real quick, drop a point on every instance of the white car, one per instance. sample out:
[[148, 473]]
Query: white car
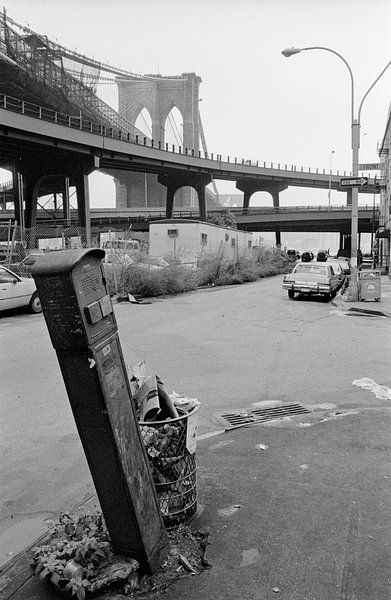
[[18, 291]]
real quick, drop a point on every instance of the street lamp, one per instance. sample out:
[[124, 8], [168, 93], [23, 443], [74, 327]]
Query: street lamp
[[331, 156], [355, 125]]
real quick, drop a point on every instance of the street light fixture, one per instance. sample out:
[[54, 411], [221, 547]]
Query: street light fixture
[[331, 156], [355, 125]]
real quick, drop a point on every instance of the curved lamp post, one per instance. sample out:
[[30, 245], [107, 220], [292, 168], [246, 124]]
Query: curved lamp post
[[355, 124]]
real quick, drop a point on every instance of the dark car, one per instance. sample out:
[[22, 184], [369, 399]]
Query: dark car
[[292, 254], [321, 256], [307, 257]]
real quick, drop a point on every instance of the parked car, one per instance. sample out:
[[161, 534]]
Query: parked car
[[122, 246], [152, 263], [292, 254], [343, 262], [18, 291], [312, 278], [117, 261], [306, 256], [338, 269], [321, 256]]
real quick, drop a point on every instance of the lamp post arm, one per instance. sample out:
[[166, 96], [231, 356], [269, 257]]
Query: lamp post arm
[[348, 68], [372, 86]]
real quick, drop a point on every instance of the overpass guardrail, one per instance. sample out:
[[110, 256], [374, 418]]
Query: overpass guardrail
[[79, 122]]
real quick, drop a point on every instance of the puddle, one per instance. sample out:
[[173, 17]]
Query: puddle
[[249, 557], [221, 444], [267, 403], [229, 510]]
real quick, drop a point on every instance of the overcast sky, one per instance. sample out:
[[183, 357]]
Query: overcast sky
[[256, 103]]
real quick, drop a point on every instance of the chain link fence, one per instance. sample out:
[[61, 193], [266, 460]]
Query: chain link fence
[[19, 247]]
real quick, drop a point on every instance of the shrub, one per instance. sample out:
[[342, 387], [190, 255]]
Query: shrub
[[174, 279], [142, 281]]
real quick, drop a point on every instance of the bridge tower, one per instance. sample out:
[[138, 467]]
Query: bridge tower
[[159, 95]]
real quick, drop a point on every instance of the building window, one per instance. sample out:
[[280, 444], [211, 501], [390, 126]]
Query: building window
[[250, 243], [233, 242], [226, 237], [172, 232], [204, 238]]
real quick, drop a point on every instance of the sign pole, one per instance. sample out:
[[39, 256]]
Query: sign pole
[[353, 291]]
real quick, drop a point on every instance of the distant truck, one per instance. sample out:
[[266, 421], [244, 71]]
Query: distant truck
[[122, 246]]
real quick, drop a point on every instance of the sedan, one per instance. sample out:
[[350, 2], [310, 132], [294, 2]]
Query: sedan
[[18, 292], [312, 278]]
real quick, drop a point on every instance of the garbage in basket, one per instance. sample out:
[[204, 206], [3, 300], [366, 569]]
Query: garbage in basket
[[170, 442]]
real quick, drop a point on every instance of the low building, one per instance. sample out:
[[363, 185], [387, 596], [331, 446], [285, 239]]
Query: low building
[[188, 241]]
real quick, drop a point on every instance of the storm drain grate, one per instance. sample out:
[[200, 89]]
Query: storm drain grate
[[259, 415]]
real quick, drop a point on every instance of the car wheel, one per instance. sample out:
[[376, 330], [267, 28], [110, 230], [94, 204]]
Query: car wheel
[[327, 297], [291, 294], [35, 304]]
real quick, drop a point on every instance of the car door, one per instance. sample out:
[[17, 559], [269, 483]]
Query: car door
[[333, 279], [13, 291]]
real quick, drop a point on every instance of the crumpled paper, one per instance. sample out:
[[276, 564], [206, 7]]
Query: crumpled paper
[[382, 392]]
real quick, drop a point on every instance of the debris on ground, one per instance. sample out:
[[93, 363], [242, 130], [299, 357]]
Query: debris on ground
[[186, 559], [382, 392], [78, 559]]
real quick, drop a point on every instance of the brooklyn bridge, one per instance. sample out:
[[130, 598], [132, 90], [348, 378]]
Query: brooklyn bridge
[[56, 129]]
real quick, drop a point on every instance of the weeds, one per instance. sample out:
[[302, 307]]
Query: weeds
[[146, 281]]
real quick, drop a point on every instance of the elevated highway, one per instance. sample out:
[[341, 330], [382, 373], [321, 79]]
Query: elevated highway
[[295, 218], [28, 127]]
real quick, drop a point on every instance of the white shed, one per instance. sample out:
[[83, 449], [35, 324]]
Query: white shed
[[188, 241]]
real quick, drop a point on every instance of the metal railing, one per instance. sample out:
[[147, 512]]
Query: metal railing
[[78, 122]]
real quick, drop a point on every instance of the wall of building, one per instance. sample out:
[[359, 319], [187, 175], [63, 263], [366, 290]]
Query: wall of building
[[383, 243], [189, 241]]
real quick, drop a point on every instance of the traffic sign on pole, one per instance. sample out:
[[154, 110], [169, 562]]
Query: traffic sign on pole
[[353, 181]]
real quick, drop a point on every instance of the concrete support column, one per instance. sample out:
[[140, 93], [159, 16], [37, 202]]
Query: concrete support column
[[32, 183], [246, 198], [276, 198], [278, 236], [17, 189], [174, 182], [249, 187], [65, 201], [170, 201], [83, 205]]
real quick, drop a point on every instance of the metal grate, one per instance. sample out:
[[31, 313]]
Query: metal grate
[[259, 415]]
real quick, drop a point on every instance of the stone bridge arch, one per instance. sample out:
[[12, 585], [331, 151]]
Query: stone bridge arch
[[158, 95]]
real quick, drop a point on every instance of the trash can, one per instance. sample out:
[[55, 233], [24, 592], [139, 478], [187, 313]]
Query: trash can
[[170, 446], [370, 285]]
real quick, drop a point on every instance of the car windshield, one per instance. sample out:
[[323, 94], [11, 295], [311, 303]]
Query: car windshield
[[6, 276], [311, 268]]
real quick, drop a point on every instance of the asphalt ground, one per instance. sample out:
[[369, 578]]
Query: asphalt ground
[[297, 508]]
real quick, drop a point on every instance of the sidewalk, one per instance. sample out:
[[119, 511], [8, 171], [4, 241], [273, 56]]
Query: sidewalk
[[368, 306], [306, 516]]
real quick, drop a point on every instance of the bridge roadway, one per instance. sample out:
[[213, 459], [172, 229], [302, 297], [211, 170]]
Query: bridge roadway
[[292, 218], [27, 128]]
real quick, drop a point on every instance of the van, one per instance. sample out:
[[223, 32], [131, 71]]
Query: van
[[122, 246]]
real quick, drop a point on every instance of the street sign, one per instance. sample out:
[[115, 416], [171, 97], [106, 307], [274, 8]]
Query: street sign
[[353, 181], [369, 166]]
